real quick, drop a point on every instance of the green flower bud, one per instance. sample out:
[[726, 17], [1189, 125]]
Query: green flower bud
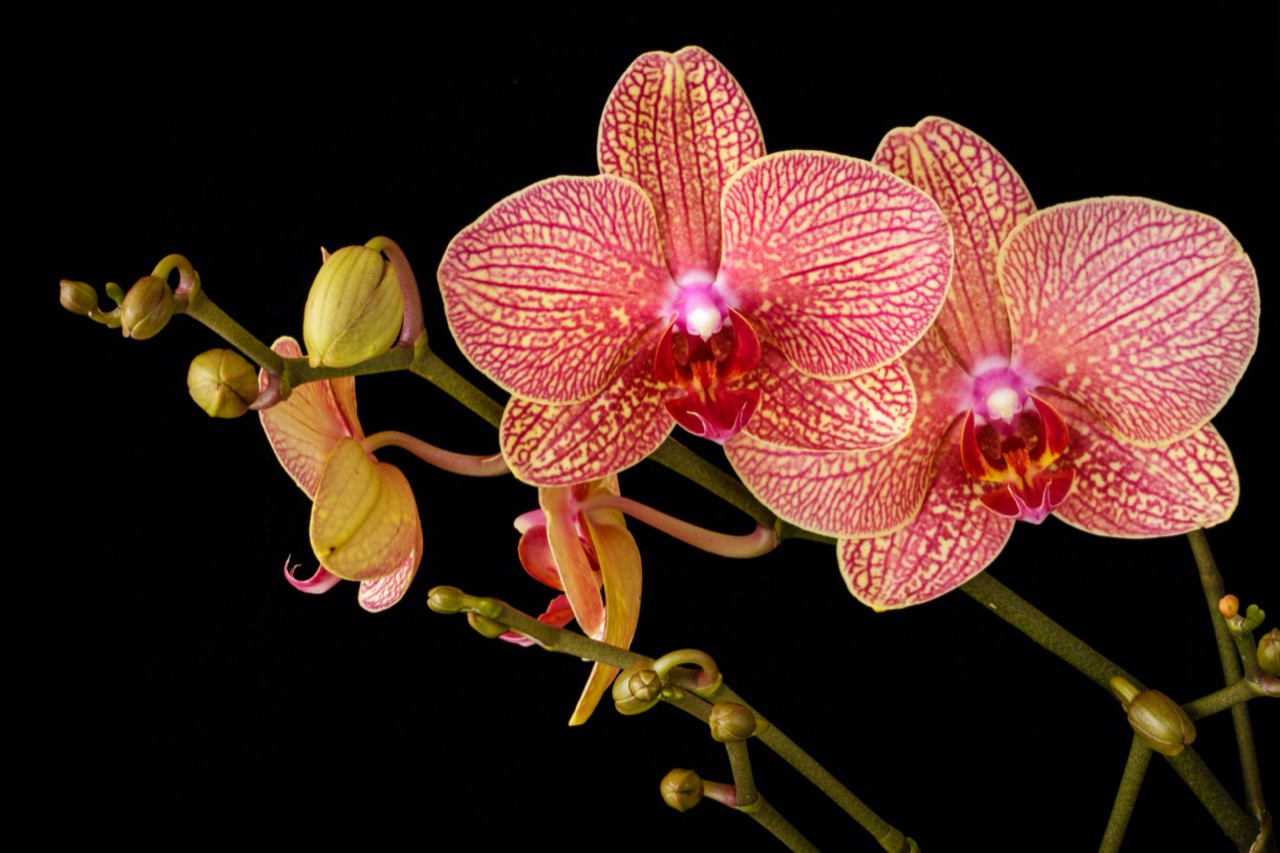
[[731, 722], [77, 297], [354, 309], [222, 383], [147, 308], [1269, 652], [637, 688], [446, 599], [1161, 723], [681, 789], [486, 626]]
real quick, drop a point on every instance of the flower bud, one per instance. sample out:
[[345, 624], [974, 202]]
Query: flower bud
[[681, 789], [354, 309], [1161, 723], [637, 688], [1228, 606], [77, 297], [486, 626], [1269, 652], [731, 722], [147, 308], [222, 383]]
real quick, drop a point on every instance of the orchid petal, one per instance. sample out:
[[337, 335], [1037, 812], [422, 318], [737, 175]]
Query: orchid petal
[[983, 199], [679, 126], [869, 410], [548, 290], [952, 539], [561, 445], [1146, 313], [536, 557], [845, 264], [1126, 491], [364, 523], [304, 429], [580, 581], [320, 582], [377, 595]]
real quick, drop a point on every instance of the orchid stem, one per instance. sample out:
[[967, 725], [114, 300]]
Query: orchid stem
[[760, 541], [456, 463], [1135, 769], [429, 366], [202, 309], [743, 779], [1221, 700], [769, 818], [1234, 821]]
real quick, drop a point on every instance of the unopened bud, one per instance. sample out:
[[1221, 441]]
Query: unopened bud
[[222, 383], [681, 789], [1269, 652], [486, 626], [354, 309], [446, 599], [1228, 606], [731, 722], [1161, 723], [146, 309], [77, 297], [637, 688]]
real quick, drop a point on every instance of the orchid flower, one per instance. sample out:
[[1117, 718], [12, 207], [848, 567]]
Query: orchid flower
[[1081, 352], [578, 550], [364, 521], [696, 281]]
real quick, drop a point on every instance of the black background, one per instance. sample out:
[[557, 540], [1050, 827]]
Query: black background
[[177, 693]]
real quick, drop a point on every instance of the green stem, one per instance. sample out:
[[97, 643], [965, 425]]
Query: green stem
[[743, 779], [201, 308], [1135, 769], [1234, 821], [768, 817], [1221, 700], [429, 366], [298, 371]]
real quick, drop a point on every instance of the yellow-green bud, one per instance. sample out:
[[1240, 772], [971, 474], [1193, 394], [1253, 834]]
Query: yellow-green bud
[[681, 789], [486, 626], [637, 688], [1161, 723], [147, 308], [1269, 652], [222, 383], [731, 722], [77, 297], [354, 309]]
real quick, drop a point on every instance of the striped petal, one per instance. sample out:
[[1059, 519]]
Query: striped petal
[[377, 595], [678, 125], [845, 264], [547, 291], [1146, 313], [580, 581], [953, 538], [1122, 490], [306, 427], [983, 199]]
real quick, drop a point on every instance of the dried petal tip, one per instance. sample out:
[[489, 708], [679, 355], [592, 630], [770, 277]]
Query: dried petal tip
[[681, 789], [1269, 652], [731, 722], [146, 309], [77, 297], [1228, 606], [222, 383], [354, 309], [1161, 723]]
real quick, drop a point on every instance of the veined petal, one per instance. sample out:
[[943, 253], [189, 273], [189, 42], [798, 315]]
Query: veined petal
[[306, 427], [953, 538], [1145, 313], [547, 291], [678, 125], [580, 580], [983, 199], [377, 595], [1128, 491], [845, 264], [561, 445], [867, 411], [364, 524]]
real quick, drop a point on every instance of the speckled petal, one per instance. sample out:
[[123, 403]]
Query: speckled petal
[[1145, 313], [845, 264], [678, 125], [377, 595], [1135, 492], [561, 445], [953, 538], [547, 291], [983, 199]]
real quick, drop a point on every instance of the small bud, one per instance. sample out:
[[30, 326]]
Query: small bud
[[1269, 652], [354, 309], [1161, 723], [1228, 606], [645, 685], [222, 383], [77, 297], [637, 688], [446, 599], [681, 789], [146, 309], [486, 626], [731, 722]]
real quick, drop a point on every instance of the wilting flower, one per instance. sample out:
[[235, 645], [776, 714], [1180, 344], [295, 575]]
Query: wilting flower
[[696, 281], [1074, 368], [364, 521], [580, 549]]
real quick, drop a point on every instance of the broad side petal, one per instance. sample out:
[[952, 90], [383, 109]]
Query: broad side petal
[[983, 199], [1133, 492], [679, 126], [303, 429], [845, 264], [580, 580], [870, 410], [548, 290], [561, 445], [953, 538], [377, 595], [1145, 313]]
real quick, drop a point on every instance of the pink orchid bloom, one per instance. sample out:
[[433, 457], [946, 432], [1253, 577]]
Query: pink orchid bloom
[[579, 549], [1081, 352], [364, 521], [696, 281]]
